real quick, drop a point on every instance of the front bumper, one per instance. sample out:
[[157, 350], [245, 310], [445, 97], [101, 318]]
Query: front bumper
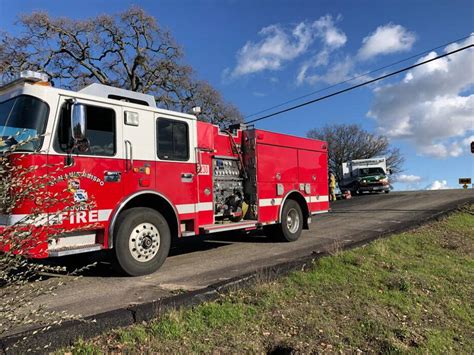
[[35, 246], [374, 188], [4, 220]]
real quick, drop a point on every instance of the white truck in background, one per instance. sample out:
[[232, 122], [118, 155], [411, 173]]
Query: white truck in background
[[365, 175]]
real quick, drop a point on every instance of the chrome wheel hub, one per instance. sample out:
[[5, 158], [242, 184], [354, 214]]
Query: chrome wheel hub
[[144, 242], [293, 221]]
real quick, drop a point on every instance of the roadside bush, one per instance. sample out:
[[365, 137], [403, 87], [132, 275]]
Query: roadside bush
[[22, 280], [397, 283]]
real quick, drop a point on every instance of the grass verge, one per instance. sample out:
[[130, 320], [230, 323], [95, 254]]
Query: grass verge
[[412, 292]]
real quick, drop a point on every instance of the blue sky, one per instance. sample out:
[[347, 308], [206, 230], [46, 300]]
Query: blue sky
[[262, 53]]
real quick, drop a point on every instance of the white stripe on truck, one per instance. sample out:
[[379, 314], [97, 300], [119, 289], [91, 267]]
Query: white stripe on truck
[[41, 219], [195, 207], [265, 202]]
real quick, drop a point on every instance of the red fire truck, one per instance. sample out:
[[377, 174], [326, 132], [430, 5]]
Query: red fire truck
[[155, 174]]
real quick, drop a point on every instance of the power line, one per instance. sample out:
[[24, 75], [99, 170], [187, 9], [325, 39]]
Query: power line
[[361, 84], [359, 76]]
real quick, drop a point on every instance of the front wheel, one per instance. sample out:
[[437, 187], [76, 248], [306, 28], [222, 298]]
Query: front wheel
[[142, 241], [291, 223], [355, 189]]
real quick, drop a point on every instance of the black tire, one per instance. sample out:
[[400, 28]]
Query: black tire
[[355, 189], [283, 231], [387, 191], [149, 231]]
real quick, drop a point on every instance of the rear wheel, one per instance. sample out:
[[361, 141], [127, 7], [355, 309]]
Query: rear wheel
[[142, 241], [291, 223]]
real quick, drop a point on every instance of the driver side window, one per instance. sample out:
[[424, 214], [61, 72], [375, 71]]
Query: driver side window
[[100, 131]]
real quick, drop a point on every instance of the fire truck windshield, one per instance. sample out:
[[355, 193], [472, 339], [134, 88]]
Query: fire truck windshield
[[22, 120]]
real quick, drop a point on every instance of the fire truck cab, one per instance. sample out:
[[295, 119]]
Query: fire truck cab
[[155, 174]]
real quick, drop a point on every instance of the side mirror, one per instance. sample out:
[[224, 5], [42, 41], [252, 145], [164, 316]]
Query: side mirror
[[389, 171], [78, 122], [78, 127]]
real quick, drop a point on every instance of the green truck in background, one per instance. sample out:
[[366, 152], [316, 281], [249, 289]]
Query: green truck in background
[[365, 175]]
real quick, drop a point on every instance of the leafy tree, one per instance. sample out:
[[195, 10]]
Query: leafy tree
[[348, 142], [129, 50]]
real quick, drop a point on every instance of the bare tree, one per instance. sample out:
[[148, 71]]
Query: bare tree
[[129, 50], [212, 104], [348, 142]]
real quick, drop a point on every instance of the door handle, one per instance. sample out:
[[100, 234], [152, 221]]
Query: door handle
[[112, 176], [187, 177], [128, 159]]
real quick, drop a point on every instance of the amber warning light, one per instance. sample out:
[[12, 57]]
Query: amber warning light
[[27, 76]]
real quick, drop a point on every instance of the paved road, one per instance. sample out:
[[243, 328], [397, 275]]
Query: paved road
[[196, 264]]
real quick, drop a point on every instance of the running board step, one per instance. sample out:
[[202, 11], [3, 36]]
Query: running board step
[[214, 228], [74, 250]]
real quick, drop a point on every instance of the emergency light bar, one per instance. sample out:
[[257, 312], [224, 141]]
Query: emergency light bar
[[25, 76]]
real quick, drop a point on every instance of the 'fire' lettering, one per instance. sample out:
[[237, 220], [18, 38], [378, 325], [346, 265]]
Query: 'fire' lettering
[[93, 216]]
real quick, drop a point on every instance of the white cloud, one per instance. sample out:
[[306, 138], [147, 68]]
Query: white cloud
[[338, 72], [438, 185], [280, 45], [386, 39], [408, 179], [427, 107], [332, 36], [277, 46], [467, 141], [442, 150], [332, 39]]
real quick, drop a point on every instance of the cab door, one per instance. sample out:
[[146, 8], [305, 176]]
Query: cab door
[[84, 177], [176, 167], [138, 149]]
